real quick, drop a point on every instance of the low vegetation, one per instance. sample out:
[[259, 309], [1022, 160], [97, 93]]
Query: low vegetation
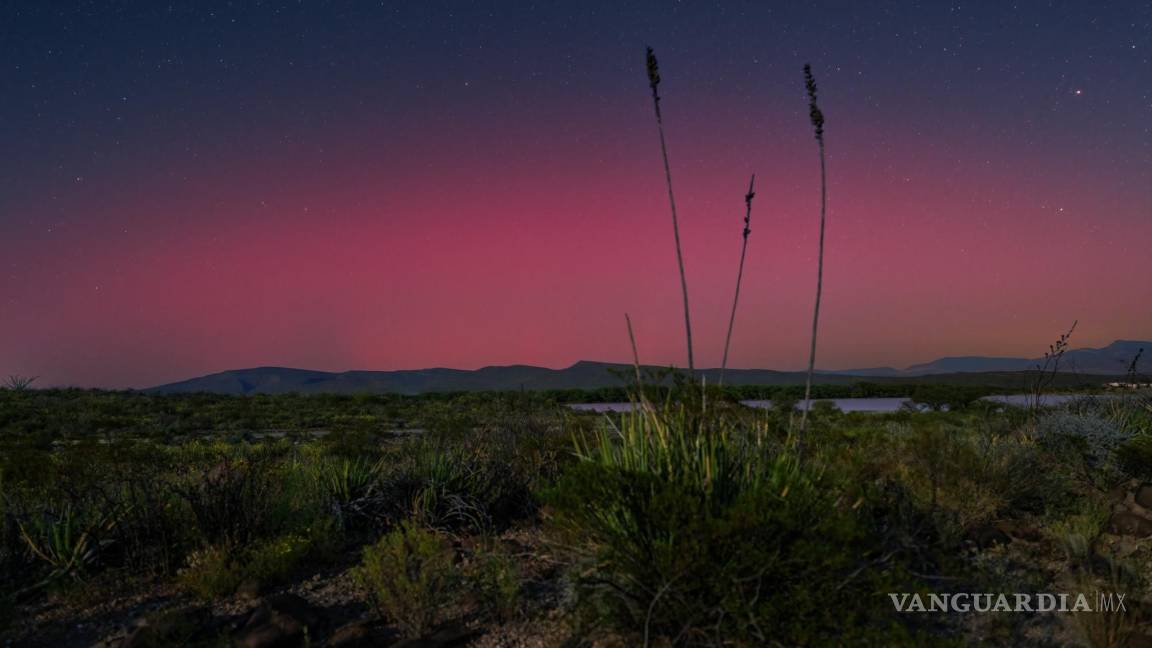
[[691, 521]]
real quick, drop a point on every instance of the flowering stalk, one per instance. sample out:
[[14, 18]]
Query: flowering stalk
[[740, 273], [653, 81], [817, 119]]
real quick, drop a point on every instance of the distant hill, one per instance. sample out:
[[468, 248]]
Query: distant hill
[[582, 375], [1111, 360]]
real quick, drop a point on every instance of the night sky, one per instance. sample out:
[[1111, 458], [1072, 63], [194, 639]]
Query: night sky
[[190, 187]]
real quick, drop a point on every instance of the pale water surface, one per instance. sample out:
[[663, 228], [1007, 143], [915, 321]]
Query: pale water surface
[[854, 404]]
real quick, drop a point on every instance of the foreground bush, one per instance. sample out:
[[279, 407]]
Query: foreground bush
[[477, 486], [703, 530], [410, 577]]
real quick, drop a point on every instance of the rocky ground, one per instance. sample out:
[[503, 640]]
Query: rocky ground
[[329, 608], [326, 608]]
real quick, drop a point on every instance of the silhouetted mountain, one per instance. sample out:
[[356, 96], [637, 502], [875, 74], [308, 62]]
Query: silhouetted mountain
[[1111, 360], [582, 375]]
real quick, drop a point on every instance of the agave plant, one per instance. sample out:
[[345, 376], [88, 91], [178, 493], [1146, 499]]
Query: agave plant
[[67, 543]]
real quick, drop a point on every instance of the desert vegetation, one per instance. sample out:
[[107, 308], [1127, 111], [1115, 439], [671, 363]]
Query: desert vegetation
[[496, 518]]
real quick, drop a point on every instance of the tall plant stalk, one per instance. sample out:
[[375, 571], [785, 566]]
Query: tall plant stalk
[[1046, 372], [653, 82], [635, 355], [739, 274], [817, 119]]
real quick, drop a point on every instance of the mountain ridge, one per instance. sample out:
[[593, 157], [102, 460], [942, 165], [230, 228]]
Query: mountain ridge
[[1111, 360]]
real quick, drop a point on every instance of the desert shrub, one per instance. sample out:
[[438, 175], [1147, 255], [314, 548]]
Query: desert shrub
[[1134, 456], [695, 528], [1095, 436], [409, 574], [494, 579], [211, 572], [1084, 439], [967, 479], [153, 533], [230, 497], [1077, 532], [299, 502], [456, 486], [219, 571], [1133, 414]]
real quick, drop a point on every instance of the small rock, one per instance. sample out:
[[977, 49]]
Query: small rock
[[351, 635], [1018, 530], [280, 621], [1144, 496], [249, 589], [1130, 524], [167, 626], [988, 535], [1119, 494]]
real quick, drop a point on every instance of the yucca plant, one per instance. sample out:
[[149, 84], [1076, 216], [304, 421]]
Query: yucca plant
[[817, 119], [653, 83], [739, 273], [683, 523], [344, 479], [710, 455], [19, 383]]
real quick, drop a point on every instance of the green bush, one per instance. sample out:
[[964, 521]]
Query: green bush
[[409, 574], [494, 579]]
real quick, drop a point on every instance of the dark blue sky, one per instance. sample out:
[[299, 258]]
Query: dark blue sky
[[149, 145]]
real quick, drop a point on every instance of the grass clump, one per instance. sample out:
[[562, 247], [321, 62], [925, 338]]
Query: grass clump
[[698, 528]]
